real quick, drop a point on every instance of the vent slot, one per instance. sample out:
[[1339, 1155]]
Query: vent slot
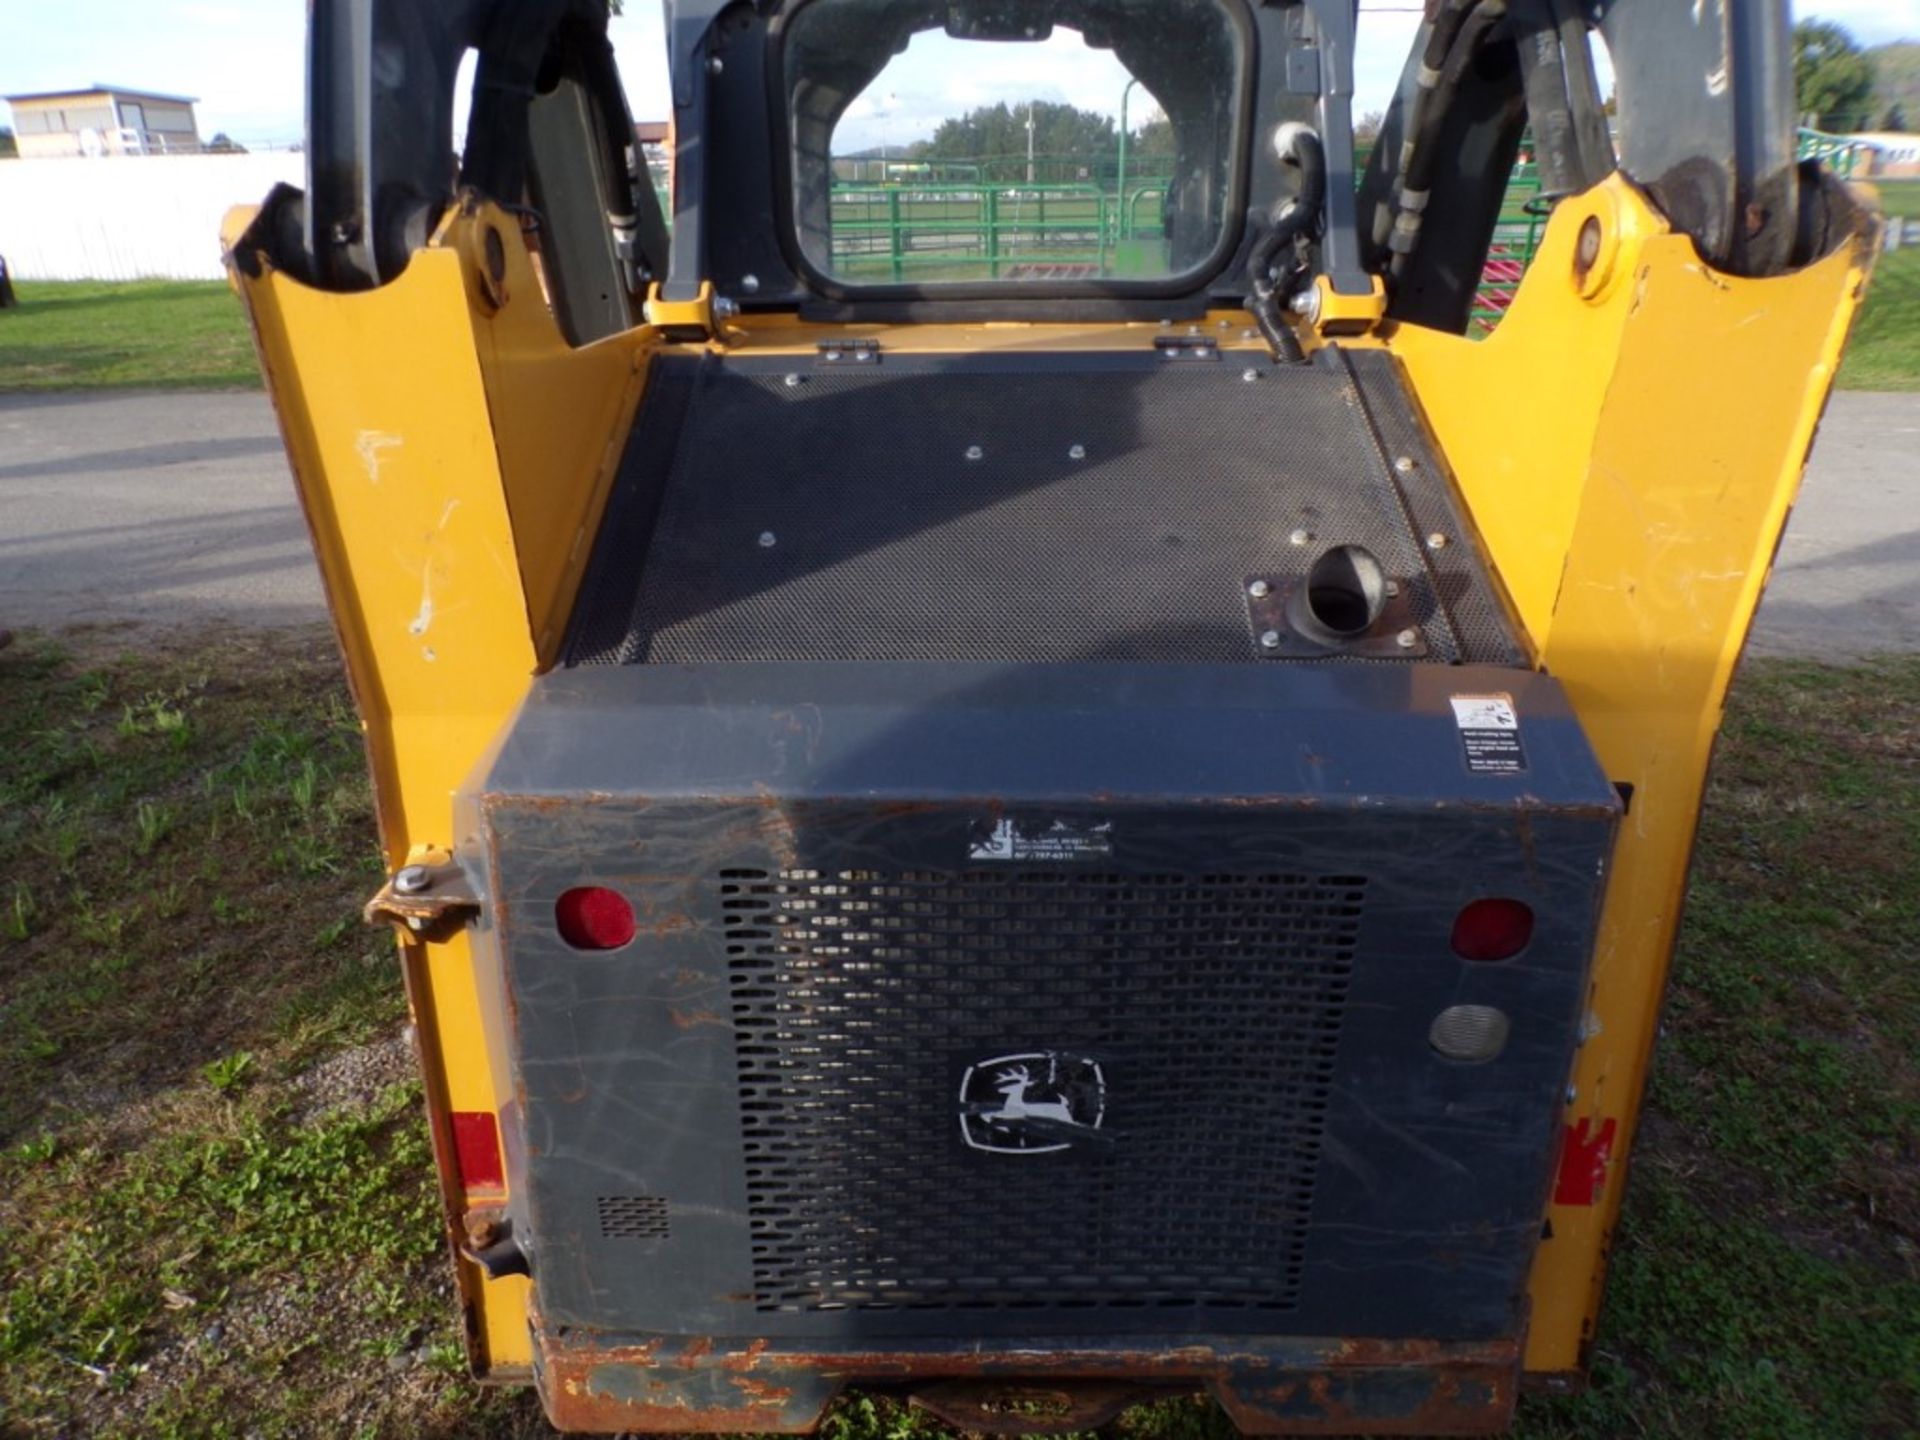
[[1212, 1004], [633, 1217]]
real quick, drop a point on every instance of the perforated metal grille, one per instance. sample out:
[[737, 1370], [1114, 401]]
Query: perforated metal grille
[[1067, 511], [1211, 1004], [633, 1217]]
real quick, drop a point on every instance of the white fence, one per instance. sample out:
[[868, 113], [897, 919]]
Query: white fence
[[129, 217]]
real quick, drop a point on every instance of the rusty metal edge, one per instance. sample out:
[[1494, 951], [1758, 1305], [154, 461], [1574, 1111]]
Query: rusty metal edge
[[1273, 1386]]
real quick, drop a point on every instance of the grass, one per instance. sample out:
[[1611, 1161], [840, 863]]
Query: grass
[[1884, 351], [203, 1240], [169, 334], [192, 1224]]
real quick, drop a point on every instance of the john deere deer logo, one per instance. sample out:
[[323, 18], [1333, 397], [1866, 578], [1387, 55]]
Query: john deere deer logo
[[1032, 1104]]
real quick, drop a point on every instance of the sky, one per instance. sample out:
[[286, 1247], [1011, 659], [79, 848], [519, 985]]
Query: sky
[[242, 59]]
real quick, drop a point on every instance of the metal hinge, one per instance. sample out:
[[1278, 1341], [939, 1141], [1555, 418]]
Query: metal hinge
[[428, 901], [1187, 347], [859, 350]]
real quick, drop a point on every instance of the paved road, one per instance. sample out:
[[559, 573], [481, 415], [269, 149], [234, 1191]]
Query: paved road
[[149, 506], [1847, 578], [176, 507]]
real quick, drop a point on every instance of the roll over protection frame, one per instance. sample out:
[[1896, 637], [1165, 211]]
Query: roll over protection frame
[[1706, 128], [380, 91]]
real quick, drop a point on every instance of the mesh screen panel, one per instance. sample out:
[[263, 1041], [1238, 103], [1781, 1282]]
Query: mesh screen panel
[[987, 510], [862, 1001]]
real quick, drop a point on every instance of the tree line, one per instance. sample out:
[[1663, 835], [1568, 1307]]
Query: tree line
[[1841, 88], [1085, 144]]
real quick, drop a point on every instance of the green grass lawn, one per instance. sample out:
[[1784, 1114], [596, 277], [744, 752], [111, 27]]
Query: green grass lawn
[[187, 334], [214, 1181], [1884, 351]]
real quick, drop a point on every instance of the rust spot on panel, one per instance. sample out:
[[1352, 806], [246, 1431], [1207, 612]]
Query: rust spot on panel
[[693, 1019], [675, 922], [1524, 823], [1046, 1408], [763, 1392], [746, 1358], [1287, 1386], [894, 809]]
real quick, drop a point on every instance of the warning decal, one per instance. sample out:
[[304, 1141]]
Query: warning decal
[[1041, 840], [1490, 734]]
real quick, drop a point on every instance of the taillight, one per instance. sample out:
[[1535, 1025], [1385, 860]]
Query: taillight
[[1492, 929], [592, 917], [476, 1150]]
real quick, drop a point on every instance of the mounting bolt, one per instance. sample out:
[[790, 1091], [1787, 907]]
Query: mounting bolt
[[974, 452], [1259, 589], [1300, 537], [1249, 334], [1404, 465], [1407, 639], [1076, 452], [1306, 305], [412, 880], [768, 540], [1269, 639], [1587, 249], [793, 380], [1226, 324], [1250, 375], [715, 65], [1573, 1094], [750, 284], [725, 308], [1393, 588], [482, 1227], [829, 355], [1436, 541]]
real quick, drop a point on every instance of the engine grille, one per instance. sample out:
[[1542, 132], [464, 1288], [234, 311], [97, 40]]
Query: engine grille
[[1212, 1003]]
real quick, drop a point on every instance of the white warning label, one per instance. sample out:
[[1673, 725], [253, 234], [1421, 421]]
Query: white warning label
[[1490, 734], [1055, 840]]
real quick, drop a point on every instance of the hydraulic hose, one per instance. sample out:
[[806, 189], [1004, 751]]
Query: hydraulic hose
[[1294, 224], [1446, 27], [1418, 154]]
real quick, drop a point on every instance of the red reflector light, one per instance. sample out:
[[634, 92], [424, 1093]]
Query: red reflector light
[[476, 1149], [1492, 930], [592, 917]]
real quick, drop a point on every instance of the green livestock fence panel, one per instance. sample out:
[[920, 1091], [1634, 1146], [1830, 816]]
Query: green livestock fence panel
[[1840, 155], [916, 232], [910, 230]]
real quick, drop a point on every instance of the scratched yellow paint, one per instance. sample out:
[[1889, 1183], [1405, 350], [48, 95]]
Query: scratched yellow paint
[[450, 456], [1629, 459]]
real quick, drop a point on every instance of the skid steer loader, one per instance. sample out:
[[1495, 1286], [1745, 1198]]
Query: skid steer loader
[[1027, 780]]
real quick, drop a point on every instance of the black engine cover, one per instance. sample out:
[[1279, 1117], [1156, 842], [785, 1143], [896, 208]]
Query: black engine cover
[[1041, 1000]]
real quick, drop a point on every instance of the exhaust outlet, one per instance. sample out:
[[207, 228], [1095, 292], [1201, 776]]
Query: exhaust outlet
[[1344, 597]]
